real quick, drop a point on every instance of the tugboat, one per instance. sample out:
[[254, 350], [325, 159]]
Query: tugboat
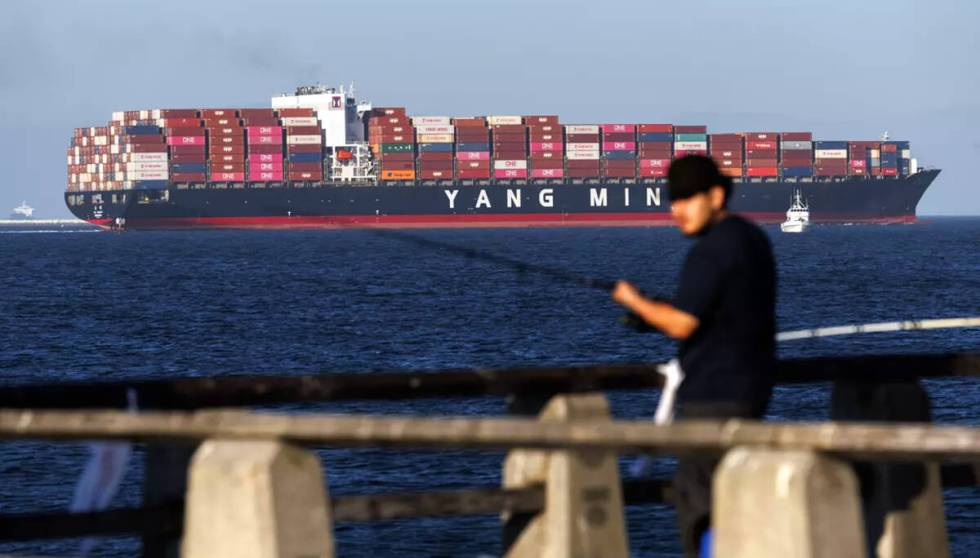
[[797, 216], [23, 212]]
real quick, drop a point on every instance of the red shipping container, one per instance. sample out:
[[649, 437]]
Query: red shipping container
[[859, 164], [796, 136], [226, 149], [547, 156], [436, 174], [393, 138], [183, 131], [762, 145], [760, 154], [398, 165], [179, 113], [182, 122], [688, 129], [726, 153], [389, 121], [760, 162], [228, 176], [509, 154], [545, 137], [266, 157], [227, 140], [510, 173], [185, 140], [315, 148], [656, 128], [652, 172], [473, 174], [305, 176], [582, 138], [259, 149], [762, 136], [261, 121], [222, 132], [618, 128], [222, 123], [133, 140], [397, 156], [761, 171], [556, 163], [469, 122], [473, 165], [435, 156], [473, 155], [889, 148], [435, 165], [509, 129], [582, 164], [581, 173], [618, 137], [733, 138], [376, 111], [187, 177], [306, 166], [219, 113], [857, 172], [229, 158], [254, 112], [545, 128], [728, 163], [264, 130], [265, 176], [265, 167], [181, 149], [303, 130], [685, 152], [655, 163], [547, 173], [546, 146], [539, 119], [227, 167], [188, 158], [264, 140]]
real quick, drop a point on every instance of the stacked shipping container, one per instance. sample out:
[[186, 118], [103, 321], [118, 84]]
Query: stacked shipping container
[[796, 150], [434, 137], [547, 147], [225, 148], [830, 158], [727, 151], [656, 143], [304, 144], [690, 140], [582, 151], [264, 162], [859, 157], [509, 135], [761, 154], [472, 148], [393, 143], [619, 150]]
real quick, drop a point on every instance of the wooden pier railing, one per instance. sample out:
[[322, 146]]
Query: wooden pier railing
[[253, 490]]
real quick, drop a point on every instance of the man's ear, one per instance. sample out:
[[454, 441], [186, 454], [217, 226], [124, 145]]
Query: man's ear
[[717, 196]]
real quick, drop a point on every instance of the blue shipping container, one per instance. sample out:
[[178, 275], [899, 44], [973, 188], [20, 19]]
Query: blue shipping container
[[142, 130], [619, 155], [305, 157], [436, 147], [797, 171], [188, 167], [149, 184], [830, 145], [473, 146], [653, 136]]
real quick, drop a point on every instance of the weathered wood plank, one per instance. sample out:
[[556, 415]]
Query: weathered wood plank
[[252, 390], [912, 441]]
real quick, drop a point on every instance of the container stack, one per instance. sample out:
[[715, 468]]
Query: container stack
[[434, 137], [87, 169], [509, 135], [727, 152], [547, 147], [304, 144], [859, 157], [619, 150], [582, 151], [762, 154], [264, 161], [690, 140], [472, 148], [830, 158], [135, 145], [180, 124], [225, 146], [656, 146], [392, 140], [891, 152], [796, 154]]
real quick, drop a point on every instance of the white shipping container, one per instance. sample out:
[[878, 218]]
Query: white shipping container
[[304, 140], [148, 175], [421, 121], [582, 147], [503, 120], [145, 115], [435, 138], [582, 155], [434, 129], [118, 116], [85, 177], [690, 145], [130, 167], [580, 129], [906, 154], [510, 164], [830, 154], [300, 121], [91, 167], [147, 157], [114, 149]]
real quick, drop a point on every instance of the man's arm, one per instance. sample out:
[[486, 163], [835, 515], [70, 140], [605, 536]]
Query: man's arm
[[673, 322]]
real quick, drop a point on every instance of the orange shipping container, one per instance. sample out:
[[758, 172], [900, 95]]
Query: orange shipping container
[[397, 175]]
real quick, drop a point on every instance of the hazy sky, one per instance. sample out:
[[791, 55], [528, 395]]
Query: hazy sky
[[845, 70]]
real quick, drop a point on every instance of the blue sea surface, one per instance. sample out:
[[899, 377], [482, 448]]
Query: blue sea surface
[[109, 306]]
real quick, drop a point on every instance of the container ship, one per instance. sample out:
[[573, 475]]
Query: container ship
[[319, 158]]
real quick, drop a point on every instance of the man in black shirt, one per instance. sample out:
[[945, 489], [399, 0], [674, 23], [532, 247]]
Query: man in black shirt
[[724, 318]]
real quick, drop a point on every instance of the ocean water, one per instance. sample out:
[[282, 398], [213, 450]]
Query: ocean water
[[109, 306]]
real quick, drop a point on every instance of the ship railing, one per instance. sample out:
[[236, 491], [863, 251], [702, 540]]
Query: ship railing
[[561, 487]]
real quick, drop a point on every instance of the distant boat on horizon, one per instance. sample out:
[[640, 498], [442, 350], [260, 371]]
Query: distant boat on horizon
[[22, 212]]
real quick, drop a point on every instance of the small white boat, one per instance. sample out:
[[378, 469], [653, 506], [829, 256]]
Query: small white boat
[[797, 216]]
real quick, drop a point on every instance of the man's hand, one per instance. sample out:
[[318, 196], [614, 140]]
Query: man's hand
[[661, 315], [625, 293]]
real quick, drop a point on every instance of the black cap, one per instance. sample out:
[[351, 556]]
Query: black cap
[[693, 174]]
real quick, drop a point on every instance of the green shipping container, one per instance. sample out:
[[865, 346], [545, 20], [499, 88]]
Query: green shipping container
[[396, 147], [690, 137]]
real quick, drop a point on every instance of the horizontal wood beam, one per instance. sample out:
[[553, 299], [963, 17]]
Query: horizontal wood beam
[[251, 389], [893, 441]]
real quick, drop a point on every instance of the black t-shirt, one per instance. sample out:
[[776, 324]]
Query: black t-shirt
[[729, 284]]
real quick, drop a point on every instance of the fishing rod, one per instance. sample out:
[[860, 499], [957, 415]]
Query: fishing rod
[[879, 327]]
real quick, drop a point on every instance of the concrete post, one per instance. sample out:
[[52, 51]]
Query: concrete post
[[256, 499], [770, 504], [583, 513]]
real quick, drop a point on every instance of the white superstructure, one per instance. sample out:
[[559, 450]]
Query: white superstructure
[[22, 211], [341, 116], [797, 216]]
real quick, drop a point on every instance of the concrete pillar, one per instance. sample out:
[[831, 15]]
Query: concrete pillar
[[798, 504], [583, 513], [919, 530], [256, 499]]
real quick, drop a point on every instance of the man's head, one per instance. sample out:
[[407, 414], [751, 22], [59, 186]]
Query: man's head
[[698, 193]]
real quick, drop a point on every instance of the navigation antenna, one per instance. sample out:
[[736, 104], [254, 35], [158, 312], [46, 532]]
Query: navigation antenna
[[884, 137]]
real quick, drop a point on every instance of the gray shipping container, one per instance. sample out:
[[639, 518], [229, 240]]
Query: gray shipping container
[[796, 145]]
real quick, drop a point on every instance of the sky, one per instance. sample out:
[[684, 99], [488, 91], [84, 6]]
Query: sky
[[844, 70]]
